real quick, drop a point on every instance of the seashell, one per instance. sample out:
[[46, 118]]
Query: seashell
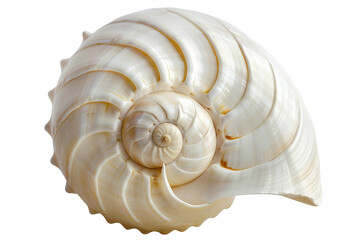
[[162, 116]]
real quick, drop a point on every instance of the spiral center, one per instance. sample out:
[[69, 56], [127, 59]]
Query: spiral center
[[163, 133], [172, 129], [168, 138], [165, 141]]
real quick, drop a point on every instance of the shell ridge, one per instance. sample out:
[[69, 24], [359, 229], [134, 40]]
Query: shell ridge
[[165, 181], [207, 132], [263, 170], [231, 78], [210, 43], [69, 161], [94, 71], [91, 83], [182, 160], [246, 63], [152, 204], [146, 147], [118, 198], [170, 64], [107, 58], [67, 74], [74, 138], [124, 199], [86, 162], [184, 171], [76, 109], [99, 169], [270, 110], [299, 106], [142, 52], [193, 116], [274, 124], [171, 40]]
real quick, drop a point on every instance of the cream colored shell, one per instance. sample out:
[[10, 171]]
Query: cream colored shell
[[162, 116]]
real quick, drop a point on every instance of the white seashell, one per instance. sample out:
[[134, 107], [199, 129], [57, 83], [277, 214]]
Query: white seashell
[[162, 116]]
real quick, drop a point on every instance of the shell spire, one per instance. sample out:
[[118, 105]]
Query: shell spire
[[163, 116]]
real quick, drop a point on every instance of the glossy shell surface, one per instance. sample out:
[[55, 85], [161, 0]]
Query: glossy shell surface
[[162, 116]]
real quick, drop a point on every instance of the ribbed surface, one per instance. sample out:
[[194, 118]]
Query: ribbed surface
[[233, 122], [181, 120]]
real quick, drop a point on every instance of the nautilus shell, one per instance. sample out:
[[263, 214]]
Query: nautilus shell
[[162, 116]]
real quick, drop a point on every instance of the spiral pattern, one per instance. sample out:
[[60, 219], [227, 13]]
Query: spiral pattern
[[162, 116], [173, 129], [163, 136]]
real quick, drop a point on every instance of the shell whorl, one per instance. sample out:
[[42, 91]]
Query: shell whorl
[[173, 129], [167, 136], [162, 116]]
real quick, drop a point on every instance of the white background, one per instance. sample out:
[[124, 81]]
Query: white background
[[317, 42]]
